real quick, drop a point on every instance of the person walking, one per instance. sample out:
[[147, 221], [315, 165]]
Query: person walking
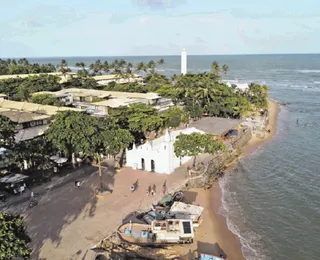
[[164, 188]]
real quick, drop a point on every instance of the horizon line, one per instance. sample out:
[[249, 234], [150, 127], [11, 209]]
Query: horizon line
[[164, 55]]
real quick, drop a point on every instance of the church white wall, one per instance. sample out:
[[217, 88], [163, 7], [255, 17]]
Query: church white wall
[[161, 151]]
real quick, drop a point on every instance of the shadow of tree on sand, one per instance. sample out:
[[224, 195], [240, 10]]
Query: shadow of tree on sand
[[62, 206]]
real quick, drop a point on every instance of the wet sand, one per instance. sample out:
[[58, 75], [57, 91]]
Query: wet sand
[[213, 236]]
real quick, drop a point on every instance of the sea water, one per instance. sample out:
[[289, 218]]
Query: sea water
[[272, 199]]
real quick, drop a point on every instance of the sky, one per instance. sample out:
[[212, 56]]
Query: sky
[[60, 28]]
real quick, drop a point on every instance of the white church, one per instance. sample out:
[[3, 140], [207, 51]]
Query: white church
[[158, 155]]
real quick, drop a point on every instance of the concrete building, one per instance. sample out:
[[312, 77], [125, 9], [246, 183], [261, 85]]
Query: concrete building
[[31, 120], [236, 85], [158, 155], [184, 61], [98, 102], [119, 79]]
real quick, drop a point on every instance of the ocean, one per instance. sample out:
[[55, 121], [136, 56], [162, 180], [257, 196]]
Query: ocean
[[272, 199]]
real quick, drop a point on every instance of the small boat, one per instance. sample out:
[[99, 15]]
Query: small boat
[[159, 232]]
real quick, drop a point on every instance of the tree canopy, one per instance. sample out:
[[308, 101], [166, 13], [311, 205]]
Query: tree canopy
[[196, 143], [20, 89], [13, 237], [7, 133], [44, 99], [22, 66], [76, 132]]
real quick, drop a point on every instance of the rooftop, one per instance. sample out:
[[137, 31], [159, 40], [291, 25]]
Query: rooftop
[[30, 133], [103, 93], [215, 125], [32, 107], [114, 76], [21, 116], [115, 102], [4, 77]]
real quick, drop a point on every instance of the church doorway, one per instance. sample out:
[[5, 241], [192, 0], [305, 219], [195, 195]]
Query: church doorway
[[142, 164], [153, 166]]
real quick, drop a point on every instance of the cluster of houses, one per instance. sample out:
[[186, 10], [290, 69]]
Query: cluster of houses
[[101, 79], [98, 102]]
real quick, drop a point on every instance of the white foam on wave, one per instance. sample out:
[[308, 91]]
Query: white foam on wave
[[308, 71], [250, 247]]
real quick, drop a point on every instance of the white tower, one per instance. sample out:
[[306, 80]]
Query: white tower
[[183, 62]]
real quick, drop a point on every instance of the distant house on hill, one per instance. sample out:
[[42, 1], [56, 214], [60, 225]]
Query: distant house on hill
[[235, 84]]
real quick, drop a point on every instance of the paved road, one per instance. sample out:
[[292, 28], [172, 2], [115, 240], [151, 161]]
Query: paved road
[[43, 189]]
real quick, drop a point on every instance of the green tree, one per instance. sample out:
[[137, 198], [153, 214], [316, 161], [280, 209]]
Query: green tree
[[7, 133], [258, 95], [63, 67], [174, 116], [225, 69], [13, 237], [82, 72], [69, 130], [215, 68], [75, 133], [43, 99], [35, 152], [196, 143]]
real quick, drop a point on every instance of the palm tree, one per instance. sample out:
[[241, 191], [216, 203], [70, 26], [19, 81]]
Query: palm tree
[[128, 71], [63, 67], [215, 68], [151, 65], [141, 67], [106, 67], [96, 67], [225, 69], [82, 70], [122, 64], [161, 61]]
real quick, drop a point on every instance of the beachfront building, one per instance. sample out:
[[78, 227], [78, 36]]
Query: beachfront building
[[158, 155], [184, 61], [31, 120], [98, 102], [119, 79], [63, 77], [237, 85]]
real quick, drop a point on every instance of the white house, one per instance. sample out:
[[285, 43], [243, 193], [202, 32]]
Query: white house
[[243, 86], [158, 155]]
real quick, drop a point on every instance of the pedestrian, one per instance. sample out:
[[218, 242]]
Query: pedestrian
[[32, 195], [153, 192], [164, 188]]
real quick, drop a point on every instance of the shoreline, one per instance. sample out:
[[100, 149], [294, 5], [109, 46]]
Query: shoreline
[[233, 241], [214, 230]]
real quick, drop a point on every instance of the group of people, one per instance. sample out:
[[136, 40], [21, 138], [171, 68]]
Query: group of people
[[152, 190]]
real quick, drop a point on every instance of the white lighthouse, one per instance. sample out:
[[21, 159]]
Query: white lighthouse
[[183, 62]]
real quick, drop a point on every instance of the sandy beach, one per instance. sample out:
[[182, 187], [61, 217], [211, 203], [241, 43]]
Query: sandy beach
[[213, 236]]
